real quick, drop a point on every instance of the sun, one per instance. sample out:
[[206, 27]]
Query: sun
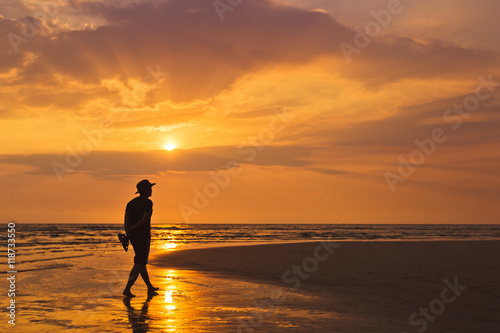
[[169, 146]]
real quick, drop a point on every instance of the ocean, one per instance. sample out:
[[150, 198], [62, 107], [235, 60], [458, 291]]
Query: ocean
[[49, 246], [69, 277]]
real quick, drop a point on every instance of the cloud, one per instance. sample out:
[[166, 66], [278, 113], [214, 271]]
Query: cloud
[[6, 114], [8, 58], [186, 39], [262, 112], [64, 99], [158, 119], [393, 58], [117, 164], [329, 172], [406, 124], [452, 20], [204, 56], [411, 123]]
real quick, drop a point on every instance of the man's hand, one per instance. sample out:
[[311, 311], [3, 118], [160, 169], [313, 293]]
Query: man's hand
[[146, 217], [128, 227]]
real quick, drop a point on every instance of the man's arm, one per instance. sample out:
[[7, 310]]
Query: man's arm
[[127, 224], [146, 217]]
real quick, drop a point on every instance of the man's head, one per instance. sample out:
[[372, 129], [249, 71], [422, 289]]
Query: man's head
[[144, 187]]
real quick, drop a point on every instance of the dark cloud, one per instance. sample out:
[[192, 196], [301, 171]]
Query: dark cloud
[[407, 124], [5, 114], [329, 171], [392, 58], [108, 164], [186, 39], [418, 122], [65, 99], [158, 118], [8, 112], [204, 56], [8, 57], [263, 112]]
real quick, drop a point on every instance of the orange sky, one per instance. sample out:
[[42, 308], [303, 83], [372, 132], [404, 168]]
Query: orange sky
[[280, 111]]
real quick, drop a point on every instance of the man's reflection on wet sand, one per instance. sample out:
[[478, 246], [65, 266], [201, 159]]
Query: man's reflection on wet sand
[[139, 319]]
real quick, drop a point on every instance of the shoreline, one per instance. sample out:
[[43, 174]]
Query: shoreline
[[296, 241], [190, 257]]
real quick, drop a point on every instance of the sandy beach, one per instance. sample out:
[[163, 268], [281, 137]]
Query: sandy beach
[[75, 284], [382, 286]]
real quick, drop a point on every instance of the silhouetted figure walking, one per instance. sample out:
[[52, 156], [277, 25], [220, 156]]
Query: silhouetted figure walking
[[138, 229]]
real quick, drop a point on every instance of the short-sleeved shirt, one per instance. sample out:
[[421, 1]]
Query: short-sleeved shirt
[[137, 207]]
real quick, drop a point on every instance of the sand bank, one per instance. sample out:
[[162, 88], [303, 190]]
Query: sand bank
[[445, 286]]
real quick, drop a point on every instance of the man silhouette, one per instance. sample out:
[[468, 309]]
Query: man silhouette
[[138, 229]]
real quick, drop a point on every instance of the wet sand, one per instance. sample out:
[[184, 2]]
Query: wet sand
[[354, 287], [83, 294], [434, 286], [189, 301]]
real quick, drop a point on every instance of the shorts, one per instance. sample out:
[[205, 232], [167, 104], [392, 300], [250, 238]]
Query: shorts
[[141, 246]]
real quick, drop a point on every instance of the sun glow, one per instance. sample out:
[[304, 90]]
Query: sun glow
[[169, 146]]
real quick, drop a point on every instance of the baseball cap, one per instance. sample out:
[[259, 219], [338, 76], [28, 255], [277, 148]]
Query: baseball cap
[[144, 185]]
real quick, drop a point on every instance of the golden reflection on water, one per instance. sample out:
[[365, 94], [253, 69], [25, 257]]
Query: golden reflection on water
[[169, 300], [169, 246], [170, 311], [191, 301], [172, 278], [169, 238]]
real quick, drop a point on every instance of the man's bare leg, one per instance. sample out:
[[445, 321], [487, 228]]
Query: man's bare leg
[[145, 276], [134, 274]]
